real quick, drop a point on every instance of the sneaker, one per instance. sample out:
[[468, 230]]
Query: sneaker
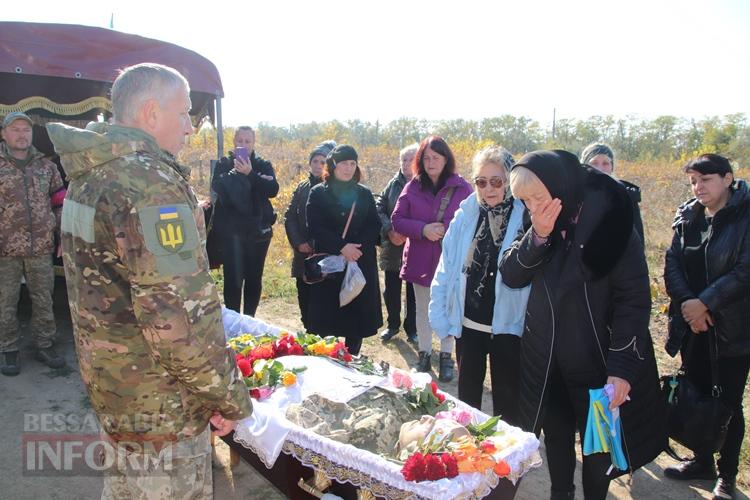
[[691, 469], [49, 357], [724, 489], [388, 334], [411, 338], [11, 368]]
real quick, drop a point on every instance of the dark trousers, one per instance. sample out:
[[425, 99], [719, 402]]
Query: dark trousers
[[303, 299], [353, 345], [392, 298], [504, 351], [733, 378], [566, 409], [243, 272]]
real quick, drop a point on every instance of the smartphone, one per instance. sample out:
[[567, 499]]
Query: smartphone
[[241, 152]]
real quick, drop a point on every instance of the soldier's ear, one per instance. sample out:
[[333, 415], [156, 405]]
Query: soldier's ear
[[148, 114]]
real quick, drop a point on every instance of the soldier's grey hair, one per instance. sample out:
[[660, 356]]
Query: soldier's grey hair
[[141, 82], [492, 154], [411, 148]]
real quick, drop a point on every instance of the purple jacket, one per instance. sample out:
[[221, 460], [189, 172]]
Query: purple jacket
[[415, 209]]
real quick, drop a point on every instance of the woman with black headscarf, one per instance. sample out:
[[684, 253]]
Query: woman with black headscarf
[[587, 317]]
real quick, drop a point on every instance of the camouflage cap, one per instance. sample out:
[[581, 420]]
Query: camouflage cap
[[16, 115]]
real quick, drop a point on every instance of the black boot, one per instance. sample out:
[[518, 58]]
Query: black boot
[[692, 469], [388, 334], [49, 357], [423, 364], [11, 368], [446, 367]]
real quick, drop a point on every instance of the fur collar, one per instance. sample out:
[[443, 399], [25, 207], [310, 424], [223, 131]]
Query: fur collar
[[605, 224]]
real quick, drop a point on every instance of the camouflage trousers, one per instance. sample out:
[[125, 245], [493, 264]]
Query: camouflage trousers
[[181, 470], [40, 280]]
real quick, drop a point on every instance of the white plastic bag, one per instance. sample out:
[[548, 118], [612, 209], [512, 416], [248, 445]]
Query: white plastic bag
[[353, 284], [332, 264]]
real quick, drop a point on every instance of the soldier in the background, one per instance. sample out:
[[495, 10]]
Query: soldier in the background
[[31, 194], [295, 223], [244, 183], [146, 313], [392, 248]]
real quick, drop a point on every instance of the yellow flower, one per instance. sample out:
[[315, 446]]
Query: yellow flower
[[288, 378]]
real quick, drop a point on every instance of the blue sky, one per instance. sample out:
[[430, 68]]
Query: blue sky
[[285, 61]]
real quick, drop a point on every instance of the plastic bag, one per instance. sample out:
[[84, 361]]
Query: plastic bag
[[332, 264], [353, 284]]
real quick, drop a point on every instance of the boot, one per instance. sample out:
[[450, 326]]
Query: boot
[[11, 368], [446, 367], [49, 357], [423, 364], [692, 469], [388, 334]]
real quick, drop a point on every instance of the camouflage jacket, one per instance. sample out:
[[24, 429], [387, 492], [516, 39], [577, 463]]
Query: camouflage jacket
[[146, 314], [27, 222]]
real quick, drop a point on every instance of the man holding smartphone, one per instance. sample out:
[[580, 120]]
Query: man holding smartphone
[[244, 183]]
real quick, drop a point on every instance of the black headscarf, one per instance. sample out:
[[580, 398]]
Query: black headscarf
[[562, 175]]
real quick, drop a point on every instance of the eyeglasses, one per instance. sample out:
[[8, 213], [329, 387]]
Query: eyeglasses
[[495, 182]]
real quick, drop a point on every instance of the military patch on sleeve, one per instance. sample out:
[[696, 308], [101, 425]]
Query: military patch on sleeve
[[171, 235]]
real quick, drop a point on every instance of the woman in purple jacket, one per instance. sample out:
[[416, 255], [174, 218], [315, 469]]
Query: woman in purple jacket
[[422, 214]]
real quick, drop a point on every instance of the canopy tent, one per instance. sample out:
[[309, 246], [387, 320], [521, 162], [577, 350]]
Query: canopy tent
[[65, 71]]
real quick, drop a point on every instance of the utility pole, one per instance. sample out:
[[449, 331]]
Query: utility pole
[[554, 112]]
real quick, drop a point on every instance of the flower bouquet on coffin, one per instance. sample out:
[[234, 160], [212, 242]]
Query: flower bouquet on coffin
[[420, 391]]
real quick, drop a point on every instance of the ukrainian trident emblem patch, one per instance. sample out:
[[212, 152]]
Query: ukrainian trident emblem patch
[[170, 229]]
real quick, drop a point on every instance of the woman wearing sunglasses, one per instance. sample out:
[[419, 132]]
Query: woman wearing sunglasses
[[469, 300]]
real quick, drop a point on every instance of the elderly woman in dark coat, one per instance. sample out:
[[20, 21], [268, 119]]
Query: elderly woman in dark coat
[[587, 317], [328, 209], [707, 275]]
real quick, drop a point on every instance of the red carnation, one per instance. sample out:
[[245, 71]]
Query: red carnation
[[238, 356], [451, 465], [413, 469], [245, 367], [434, 468], [440, 396], [255, 393], [434, 388], [296, 350], [347, 357]]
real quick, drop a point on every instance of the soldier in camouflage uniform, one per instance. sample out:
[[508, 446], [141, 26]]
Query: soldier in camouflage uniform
[[30, 186], [146, 314]]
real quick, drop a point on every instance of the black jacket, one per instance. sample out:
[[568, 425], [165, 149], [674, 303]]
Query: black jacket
[[243, 206], [727, 295], [634, 192], [588, 312], [326, 218], [295, 223], [390, 254]]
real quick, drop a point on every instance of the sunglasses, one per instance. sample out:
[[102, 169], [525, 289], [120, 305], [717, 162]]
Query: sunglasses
[[495, 182]]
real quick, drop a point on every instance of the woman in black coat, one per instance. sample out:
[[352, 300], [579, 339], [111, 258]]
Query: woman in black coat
[[707, 275], [587, 317], [328, 209]]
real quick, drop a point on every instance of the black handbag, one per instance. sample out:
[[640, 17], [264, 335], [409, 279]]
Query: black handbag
[[696, 420], [311, 273]]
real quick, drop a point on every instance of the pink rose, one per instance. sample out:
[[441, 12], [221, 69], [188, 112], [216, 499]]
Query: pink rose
[[401, 379]]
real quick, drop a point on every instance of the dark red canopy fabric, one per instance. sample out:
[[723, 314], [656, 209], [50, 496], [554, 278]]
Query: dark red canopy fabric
[[88, 53]]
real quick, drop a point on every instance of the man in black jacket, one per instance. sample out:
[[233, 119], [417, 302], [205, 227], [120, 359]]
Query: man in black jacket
[[244, 219]]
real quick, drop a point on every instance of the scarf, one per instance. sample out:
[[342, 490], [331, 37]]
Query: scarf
[[481, 257]]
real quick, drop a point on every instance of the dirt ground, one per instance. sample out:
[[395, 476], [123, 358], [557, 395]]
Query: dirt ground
[[39, 390]]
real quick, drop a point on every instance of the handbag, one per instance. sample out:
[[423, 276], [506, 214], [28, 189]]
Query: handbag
[[312, 273], [696, 420]]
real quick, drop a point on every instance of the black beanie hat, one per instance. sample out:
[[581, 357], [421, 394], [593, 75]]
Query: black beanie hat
[[596, 149], [342, 152]]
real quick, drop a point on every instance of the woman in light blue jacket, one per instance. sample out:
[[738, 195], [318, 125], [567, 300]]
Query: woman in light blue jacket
[[468, 298]]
